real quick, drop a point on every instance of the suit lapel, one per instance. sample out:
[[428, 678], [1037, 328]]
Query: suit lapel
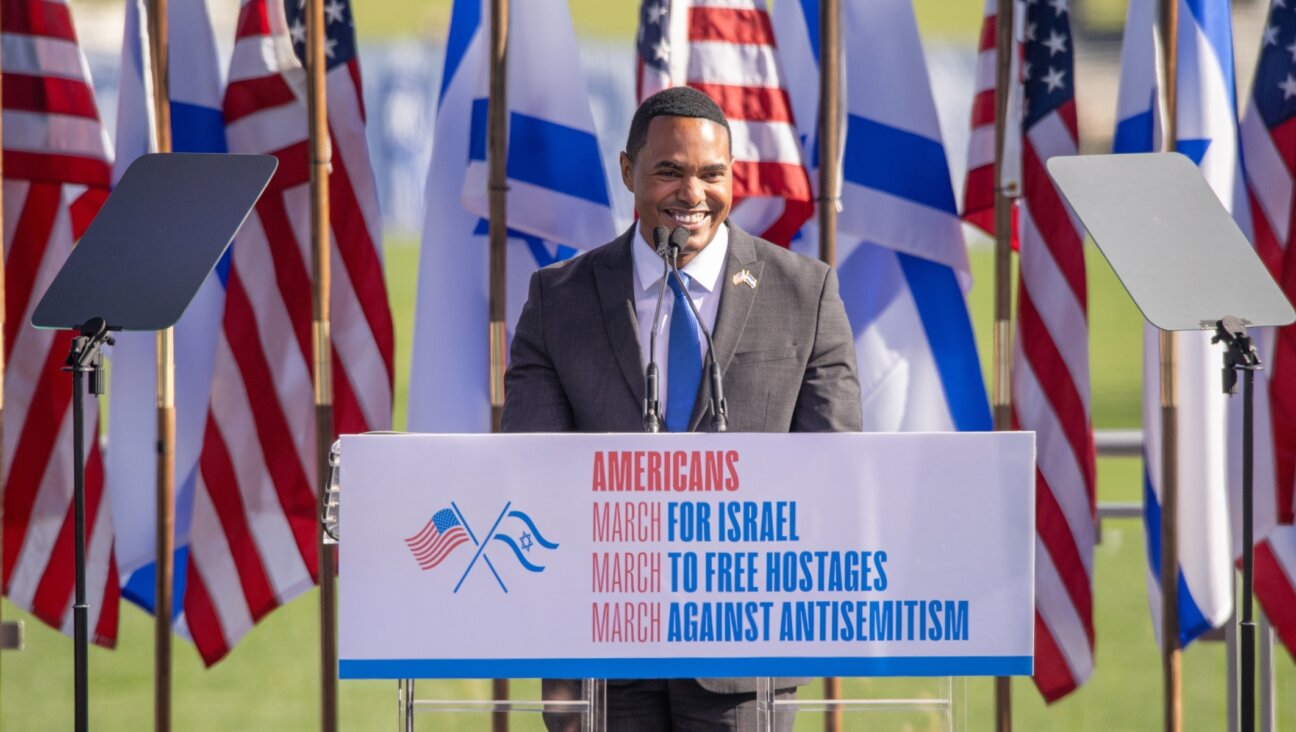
[[614, 279], [735, 305]]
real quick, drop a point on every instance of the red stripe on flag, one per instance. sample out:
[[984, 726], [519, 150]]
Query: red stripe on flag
[[44, 167], [54, 591], [989, 27], [353, 70], [253, 20], [105, 632], [204, 621], [26, 252], [983, 109], [1054, 377], [978, 198], [1067, 112], [1273, 587], [1053, 530], [296, 498], [1267, 246], [294, 168], [52, 94], [247, 97], [361, 264], [38, 18], [1052, 674], [1282, 415], [794, 216], [226, 494], [291, 276], [749, 103], [348, 416], [776, 180], [31, 456], [1284, 140], [747, 26], [1053, 223], [85, 208], [453, 541]]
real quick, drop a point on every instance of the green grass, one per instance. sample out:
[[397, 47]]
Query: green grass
[[270, 681], [618, 19]]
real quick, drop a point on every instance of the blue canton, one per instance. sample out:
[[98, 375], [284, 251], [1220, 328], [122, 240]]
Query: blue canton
[[1275, 80], [1048, 58], [653, 48], [339, 31], [444, 520]]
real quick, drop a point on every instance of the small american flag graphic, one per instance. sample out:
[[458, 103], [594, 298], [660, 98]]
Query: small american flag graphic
[[441, 535]]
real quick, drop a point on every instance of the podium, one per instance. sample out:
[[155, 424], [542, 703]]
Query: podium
[[770, 558]]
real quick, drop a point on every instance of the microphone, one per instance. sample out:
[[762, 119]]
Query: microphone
[[652, 399], [719, 407], [660, 243]]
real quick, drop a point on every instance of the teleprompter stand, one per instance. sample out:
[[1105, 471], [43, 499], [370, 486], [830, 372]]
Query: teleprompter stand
[[1188, 267], [141, 261]]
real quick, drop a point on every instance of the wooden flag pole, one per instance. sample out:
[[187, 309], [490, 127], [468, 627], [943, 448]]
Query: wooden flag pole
[[164, 581], [6, 627], [497, 156], [321, 343], [829, 166], [1001, 393], [829, 127], [1170, 652]]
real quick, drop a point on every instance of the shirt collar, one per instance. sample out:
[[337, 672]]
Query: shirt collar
[[704, 269]]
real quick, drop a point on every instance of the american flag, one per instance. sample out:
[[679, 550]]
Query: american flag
[[255, 517], [1050, 377], [726, 48], [979, 185], [57, 168], [442, 535], [1268, 136]]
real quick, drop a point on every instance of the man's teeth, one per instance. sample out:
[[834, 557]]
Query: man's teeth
[[689, 218]]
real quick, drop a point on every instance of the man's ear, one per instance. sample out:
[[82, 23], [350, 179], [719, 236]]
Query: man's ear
[[626, 176]]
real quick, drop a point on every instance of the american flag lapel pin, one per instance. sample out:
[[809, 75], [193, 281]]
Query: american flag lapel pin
[[745, 278]]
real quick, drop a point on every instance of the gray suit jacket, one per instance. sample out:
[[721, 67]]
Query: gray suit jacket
[[784, 347]]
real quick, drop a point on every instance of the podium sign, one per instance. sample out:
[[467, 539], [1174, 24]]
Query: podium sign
[[644, 556]]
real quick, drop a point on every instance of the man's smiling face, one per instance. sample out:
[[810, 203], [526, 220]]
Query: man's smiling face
[[682, 176]]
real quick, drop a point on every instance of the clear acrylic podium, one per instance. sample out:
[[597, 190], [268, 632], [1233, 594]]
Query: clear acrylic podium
[[937, 705]]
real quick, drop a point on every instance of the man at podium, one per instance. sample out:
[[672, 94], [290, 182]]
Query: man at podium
[[781, 339]]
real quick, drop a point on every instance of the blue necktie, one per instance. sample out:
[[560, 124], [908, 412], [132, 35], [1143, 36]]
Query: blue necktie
[[684, 361]]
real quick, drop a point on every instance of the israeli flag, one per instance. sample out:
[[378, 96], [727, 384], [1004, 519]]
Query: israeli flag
[[558, 200], [1207, 133], [130, 461], [902, 259]]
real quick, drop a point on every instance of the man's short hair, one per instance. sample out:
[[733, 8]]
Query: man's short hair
[[677, 101]]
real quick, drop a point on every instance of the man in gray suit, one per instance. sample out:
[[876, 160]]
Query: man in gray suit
[[781, 336]]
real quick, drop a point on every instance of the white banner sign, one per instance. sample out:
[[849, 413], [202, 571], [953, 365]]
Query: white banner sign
[[642, 556]]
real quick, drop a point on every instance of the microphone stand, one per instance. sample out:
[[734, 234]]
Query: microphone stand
[[652, 399], [719, 407], [84, 357], [1240, 355]]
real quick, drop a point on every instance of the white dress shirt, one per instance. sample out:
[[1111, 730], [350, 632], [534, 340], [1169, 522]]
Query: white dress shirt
[[703, 271]]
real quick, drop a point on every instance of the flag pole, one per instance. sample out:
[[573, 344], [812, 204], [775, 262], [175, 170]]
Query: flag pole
[[1170, 651], [6, 627], [497, 140], [321, 342], [1001, 392], [829, 134], [829, 148], [164, 581]]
